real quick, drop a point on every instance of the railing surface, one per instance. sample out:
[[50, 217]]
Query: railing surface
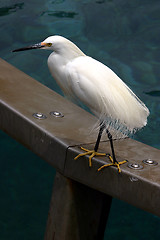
[[58, 139]]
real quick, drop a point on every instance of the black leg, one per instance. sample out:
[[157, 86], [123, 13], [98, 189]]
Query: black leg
[[111, 144], [102, 127]]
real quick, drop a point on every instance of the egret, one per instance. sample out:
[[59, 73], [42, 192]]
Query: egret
[[90, 82]]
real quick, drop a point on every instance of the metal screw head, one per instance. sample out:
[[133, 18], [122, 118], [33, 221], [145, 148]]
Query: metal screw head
[[150, 162], [39, 115], [133, 179], [56, 114], [135, 166]]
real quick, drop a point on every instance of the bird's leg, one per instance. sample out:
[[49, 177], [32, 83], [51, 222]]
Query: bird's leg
[[94, 152], [102, 127], [113, 160], [111, 144]]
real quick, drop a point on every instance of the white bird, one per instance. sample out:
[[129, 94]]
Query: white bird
[[89, 81]]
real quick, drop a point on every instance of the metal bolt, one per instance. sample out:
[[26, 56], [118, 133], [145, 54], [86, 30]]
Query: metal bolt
[[133, 179], [39, 115], [135, 166], [150, 162], [56, 114]]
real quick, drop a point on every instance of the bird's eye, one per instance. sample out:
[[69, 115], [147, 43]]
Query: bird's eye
[[49, 44]]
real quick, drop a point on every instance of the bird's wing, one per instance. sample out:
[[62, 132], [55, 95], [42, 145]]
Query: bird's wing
[[107, 96], [85, 79]]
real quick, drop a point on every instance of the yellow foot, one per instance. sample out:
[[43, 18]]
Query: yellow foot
[[89, 152], [117, 164]]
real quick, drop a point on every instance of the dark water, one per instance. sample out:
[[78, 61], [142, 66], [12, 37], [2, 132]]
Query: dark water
[[122, 34]]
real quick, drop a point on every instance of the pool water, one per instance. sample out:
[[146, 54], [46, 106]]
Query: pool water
[[123, 35]]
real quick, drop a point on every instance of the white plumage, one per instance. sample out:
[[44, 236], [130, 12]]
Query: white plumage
[[89, 81], [84, 79]]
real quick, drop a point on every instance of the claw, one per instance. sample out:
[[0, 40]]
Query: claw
[[117, 164], [89, 152], [92, 153]]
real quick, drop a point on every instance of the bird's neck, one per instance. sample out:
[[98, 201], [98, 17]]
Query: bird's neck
[[71, 54]]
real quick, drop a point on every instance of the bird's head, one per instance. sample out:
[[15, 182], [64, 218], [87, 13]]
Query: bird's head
[[57, 44]]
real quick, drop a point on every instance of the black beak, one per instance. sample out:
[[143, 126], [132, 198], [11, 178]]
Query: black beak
[[34, 46]]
